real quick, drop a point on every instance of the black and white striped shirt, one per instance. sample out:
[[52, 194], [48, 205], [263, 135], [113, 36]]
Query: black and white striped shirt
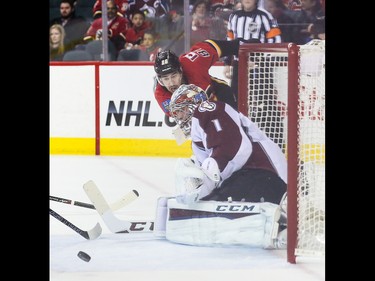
[[257, 24]]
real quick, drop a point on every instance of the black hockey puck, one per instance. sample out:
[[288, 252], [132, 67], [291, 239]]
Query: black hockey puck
[[84, 256]]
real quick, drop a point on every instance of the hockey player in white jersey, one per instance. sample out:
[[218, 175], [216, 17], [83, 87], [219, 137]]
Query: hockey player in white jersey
[[229, 191]]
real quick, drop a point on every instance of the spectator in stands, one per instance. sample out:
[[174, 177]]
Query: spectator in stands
[[56, 42], [75, 27], [293, 5], [201, 22], [311, 13], [318, 28], [237, 5], [222, 5], [134, 34], [219, 13], [280, 12], [150, 45], [147, 50], [123, 7], [117, 27], [150, 8], [177, 5]]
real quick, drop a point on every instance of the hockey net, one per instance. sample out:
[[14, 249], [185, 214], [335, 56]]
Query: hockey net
[[282, 89]]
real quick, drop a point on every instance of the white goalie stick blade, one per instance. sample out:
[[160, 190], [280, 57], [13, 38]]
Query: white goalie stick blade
[[113, 223], [127, 199], [90, 234]]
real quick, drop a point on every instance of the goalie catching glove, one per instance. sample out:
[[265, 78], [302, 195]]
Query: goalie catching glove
[[193, 182]]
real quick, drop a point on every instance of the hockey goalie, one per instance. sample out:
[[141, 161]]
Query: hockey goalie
[[230, 191]]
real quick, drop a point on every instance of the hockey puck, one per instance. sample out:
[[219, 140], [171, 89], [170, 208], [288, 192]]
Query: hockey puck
[[83, 256]]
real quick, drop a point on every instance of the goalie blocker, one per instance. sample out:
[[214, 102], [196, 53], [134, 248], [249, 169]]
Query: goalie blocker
[[216, 223]]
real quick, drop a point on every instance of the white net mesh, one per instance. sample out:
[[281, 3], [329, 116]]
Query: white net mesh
[[311, 180], [267, 101], [267, 77]]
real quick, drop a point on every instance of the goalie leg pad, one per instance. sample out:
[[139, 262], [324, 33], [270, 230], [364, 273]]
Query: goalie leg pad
[[272, 213], [213, 223], [161, 216]]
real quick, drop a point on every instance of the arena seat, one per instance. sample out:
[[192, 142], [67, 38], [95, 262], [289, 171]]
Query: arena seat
[[77, 55]]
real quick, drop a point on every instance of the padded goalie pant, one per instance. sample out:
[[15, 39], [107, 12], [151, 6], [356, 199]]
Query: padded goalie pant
[[250, 185]]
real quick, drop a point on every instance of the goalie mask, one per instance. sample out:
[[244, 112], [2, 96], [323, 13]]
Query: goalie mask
[[183, 103]]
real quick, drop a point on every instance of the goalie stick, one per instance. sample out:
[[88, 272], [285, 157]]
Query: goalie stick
[[89, 234], [114, 224], [125, 200]]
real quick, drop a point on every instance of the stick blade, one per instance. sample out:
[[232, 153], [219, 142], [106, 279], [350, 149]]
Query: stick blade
[[124, 201], [102, 207], [94, 232], [96, 197]]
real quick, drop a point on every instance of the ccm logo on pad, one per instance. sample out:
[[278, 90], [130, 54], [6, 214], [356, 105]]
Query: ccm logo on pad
[[234, 208]]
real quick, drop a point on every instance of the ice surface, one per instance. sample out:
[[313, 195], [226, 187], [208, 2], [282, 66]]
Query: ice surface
[[142, 256]]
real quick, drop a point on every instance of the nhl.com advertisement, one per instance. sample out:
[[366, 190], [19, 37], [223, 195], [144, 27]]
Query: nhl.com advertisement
[[111, 104]]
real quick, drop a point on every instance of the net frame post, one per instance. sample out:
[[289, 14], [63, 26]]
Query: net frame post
[[292, 150], [292, 142]]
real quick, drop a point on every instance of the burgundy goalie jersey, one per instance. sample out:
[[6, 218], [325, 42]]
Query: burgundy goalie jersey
[[220, 132]]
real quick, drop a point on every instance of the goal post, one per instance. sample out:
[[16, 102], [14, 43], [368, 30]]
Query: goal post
[[282, 88]]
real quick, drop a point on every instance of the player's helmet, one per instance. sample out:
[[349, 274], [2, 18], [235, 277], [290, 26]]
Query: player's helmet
[[166, 62], [183, 103]]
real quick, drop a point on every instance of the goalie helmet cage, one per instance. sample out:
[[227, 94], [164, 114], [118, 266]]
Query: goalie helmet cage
[[282, 89]]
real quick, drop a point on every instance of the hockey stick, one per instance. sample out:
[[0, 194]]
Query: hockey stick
[[113, 223], [125, 200], [89, 234], [71, 202]]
